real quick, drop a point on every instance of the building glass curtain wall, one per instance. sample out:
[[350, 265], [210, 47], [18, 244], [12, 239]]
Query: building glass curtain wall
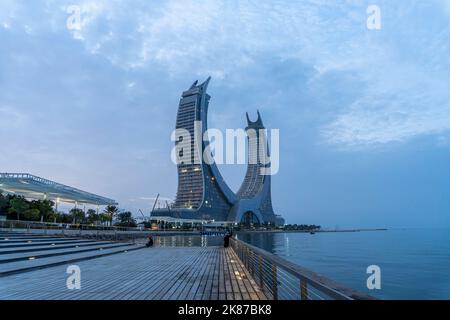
[[202, 193]]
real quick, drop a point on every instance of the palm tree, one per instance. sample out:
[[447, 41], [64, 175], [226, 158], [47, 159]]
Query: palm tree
[[77, 215], [92, 216], [53, 216], [126, 219], [111, 211]]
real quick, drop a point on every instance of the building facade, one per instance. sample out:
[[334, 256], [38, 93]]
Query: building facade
[[202, 193]]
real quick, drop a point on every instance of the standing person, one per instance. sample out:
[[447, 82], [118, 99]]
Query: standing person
[[226, 240], [150, 242]]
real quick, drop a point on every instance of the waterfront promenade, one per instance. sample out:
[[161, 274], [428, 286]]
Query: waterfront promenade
[[34, 266], [120, 273]]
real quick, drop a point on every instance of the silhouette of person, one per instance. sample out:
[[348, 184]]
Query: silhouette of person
[[226, 240], [149, 242]]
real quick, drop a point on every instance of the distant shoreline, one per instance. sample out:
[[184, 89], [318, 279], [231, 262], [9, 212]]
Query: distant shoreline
[[307, 231]]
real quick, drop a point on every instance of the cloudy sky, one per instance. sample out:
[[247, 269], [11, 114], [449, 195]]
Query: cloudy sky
[[364, 115]]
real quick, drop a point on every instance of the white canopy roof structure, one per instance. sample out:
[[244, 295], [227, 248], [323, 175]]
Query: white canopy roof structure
[[33, 187]]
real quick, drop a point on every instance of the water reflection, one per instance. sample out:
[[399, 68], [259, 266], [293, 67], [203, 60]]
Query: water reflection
[[262, 240], [185, 241]]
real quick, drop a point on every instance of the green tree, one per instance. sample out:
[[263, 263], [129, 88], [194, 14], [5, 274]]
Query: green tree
[[92, 216], [4, 203], [104, 217], [125, 219], [32, 215], [53, 217], [77, 215], [45, 208], [111, 211], [17, 206], [65, 218]]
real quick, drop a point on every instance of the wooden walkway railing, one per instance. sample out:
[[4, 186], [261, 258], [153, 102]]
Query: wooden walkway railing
[[283, 280]]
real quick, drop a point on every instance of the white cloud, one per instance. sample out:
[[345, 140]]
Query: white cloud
[[405, 92], [214, 36], [403, 66]]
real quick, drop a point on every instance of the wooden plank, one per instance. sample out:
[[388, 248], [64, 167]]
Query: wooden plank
[[249, 285], [222, 289], [184, 283], [195, 287], [234, 285], [191, 284], [157, 273]]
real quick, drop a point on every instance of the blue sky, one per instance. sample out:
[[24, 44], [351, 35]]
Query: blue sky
[[364, 115]]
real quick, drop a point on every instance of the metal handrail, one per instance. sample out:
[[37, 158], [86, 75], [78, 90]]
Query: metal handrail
[[282, 279], [37, 225], [24, 224]]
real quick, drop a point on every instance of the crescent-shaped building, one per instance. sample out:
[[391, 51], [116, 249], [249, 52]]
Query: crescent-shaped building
[[202, 193]]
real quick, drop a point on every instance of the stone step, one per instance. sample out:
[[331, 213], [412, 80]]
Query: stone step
[[31, 243], [33, 239], [13, 256], [29, 265], [40, 247]]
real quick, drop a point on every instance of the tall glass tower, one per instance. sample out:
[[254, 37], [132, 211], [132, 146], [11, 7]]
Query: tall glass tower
[[202, 193]]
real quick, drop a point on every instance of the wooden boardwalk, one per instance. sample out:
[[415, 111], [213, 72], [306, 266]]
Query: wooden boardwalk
[[160, 273]]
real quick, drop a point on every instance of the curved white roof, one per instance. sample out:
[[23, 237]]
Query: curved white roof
[[33, 187]]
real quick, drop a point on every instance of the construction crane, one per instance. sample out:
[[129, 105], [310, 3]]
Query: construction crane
[[154, 205]]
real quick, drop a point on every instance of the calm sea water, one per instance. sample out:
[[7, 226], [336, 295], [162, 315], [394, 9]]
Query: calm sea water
[[415, 263]]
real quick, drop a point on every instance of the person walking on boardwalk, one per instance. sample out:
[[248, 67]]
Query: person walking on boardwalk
[[149, 242]]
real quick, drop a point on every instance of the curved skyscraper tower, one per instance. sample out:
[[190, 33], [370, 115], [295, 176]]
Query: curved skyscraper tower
[[254, 203], [202, 193]]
